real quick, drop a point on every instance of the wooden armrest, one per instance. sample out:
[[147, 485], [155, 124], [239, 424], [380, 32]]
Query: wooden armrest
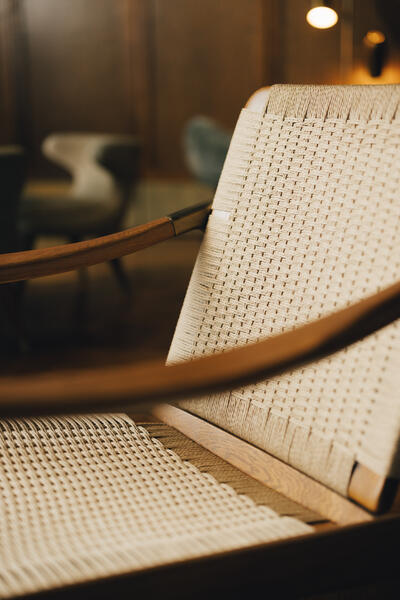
[[18, 266], [122, 388]]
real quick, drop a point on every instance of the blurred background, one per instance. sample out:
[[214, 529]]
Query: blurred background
[[115, 112]]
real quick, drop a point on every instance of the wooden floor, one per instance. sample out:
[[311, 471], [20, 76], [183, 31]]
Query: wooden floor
[[66, 328]]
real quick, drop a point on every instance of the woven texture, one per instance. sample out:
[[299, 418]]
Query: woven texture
[[224, 472], [82, 498], [306, 221]]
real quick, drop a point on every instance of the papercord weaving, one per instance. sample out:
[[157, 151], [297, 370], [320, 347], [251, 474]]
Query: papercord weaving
[[89, 497], [306, 220]]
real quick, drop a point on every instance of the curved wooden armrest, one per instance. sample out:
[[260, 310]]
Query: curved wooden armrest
[[18, 266], [116, 389]]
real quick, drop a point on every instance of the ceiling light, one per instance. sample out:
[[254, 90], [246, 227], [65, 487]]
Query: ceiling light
[[321, 15]]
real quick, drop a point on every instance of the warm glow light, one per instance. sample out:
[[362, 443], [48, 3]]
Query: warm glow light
[[322, 17], [374, 38]]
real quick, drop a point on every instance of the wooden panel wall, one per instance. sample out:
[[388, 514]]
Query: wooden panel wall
[[136, 66], [77, 67], [146, 66], [209, 58], [13, 77], [310, 55]]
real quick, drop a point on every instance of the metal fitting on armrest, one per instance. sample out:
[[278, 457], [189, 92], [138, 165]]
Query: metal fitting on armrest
[[193, 217]]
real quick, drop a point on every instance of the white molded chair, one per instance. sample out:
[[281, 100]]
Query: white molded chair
[[104, 168]]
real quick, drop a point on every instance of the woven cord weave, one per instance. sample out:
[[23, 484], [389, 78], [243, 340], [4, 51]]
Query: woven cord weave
[[306, 221], [82, 498]]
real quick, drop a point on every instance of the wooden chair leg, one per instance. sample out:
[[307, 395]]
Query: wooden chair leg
[[80, 310], [121, 276], [11, 299], [28, 241], [117, 267], [11, 303], [83, 276], [81, 305]]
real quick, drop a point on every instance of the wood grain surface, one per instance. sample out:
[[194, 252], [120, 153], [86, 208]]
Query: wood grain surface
[[373, 491], [18, 266], [224, 472], [264, 468]]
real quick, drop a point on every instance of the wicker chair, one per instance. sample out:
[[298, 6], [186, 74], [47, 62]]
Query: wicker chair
[[283, 370]]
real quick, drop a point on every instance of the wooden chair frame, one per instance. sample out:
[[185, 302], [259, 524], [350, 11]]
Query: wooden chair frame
[[355, 543]]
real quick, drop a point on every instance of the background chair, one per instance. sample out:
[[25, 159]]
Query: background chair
[[292, 315], [104, 168], [205, 145]]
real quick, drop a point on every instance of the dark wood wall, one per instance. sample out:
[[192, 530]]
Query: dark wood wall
[[146, 66], [209, 56]]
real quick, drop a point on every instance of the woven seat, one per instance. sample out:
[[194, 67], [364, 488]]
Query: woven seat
[[305, 222], [92, 497]]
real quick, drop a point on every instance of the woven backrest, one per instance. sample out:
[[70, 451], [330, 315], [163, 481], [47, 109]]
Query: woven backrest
[[306, 220]]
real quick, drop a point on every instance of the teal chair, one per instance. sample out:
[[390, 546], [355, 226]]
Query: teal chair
[[205, 145]]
